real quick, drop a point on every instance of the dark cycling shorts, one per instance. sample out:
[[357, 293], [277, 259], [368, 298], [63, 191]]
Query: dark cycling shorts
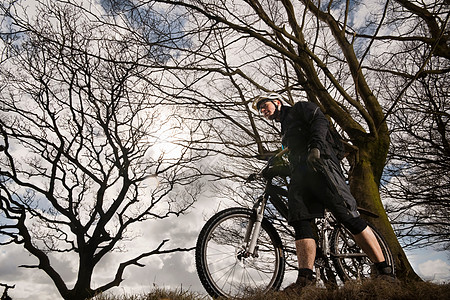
[[311, 192]]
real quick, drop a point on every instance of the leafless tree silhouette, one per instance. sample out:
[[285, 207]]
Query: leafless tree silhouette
[[85, 144]]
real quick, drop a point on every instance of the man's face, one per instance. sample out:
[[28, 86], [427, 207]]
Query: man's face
[[269, 110]]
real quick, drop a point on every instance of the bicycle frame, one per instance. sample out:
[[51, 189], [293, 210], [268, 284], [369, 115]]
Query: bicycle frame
[[324, 226]]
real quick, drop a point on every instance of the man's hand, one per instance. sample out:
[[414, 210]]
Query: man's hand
[[313, 158]]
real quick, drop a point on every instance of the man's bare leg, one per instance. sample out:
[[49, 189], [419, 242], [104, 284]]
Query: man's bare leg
[[369, 244], [367, 241], [306, 253]]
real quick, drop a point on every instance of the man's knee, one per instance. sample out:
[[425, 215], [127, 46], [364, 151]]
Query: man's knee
[[355, 225]]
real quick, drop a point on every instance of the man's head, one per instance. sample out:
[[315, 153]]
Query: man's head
[[269, 105]]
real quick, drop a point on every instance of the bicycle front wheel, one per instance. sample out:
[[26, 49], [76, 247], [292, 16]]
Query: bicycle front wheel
[[222, 264], [350, 262]]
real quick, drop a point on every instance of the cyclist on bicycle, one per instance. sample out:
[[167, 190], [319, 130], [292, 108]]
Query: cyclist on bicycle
[[305, 131]]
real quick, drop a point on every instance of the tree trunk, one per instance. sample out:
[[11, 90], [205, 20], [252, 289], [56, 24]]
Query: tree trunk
[[364, 184]]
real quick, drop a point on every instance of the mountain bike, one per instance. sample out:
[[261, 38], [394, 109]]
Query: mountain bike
[[239, 250]]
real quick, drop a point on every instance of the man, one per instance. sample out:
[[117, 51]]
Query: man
[[305, 131]]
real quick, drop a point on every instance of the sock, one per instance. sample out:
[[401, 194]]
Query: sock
[[383, 268], [307, 273]]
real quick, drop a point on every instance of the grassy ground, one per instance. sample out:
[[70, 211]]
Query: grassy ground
[[372, 290]]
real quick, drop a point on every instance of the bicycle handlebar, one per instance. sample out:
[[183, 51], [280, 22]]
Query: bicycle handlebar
[[254, 176]]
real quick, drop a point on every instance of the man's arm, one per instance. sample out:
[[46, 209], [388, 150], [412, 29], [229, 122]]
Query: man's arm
[[318, 125]]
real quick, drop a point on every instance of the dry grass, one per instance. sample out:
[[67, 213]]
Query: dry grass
[[157, 294], [370, 290]]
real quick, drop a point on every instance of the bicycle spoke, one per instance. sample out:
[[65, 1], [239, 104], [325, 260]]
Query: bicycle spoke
[[230, 271], [350, 261]]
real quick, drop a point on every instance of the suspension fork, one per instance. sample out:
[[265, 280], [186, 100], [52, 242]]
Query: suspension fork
[[325, 229], [254, 226], [326, 272]]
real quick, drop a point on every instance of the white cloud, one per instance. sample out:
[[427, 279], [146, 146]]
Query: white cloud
[[435, 270], [29, 283]]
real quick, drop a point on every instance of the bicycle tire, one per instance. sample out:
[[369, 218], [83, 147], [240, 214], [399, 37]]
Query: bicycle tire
[[221, 269], [350, 262]]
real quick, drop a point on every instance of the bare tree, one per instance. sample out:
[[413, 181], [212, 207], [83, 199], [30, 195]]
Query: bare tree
[[81, 158], [413, 79], [333, 53], [417, 178]]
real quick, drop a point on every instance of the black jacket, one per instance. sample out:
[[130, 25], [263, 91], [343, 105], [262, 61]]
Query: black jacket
[[304, 127]]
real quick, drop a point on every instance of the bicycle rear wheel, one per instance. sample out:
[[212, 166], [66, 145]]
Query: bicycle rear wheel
[[222, 266], [350, 262]]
